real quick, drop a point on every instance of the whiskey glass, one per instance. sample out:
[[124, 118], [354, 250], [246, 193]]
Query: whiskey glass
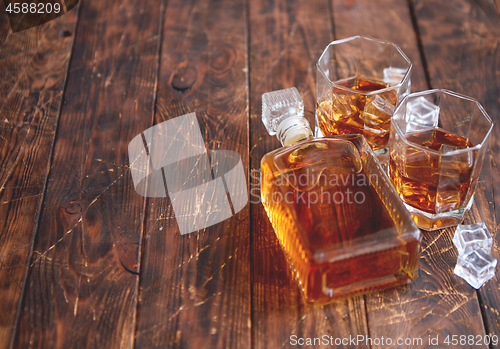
[[436, 149], [359, 83]]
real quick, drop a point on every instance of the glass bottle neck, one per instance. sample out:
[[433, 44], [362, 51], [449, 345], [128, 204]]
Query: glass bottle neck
[[293, 130]]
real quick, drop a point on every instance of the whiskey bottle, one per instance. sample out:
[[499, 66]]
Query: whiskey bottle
[[336, 215]]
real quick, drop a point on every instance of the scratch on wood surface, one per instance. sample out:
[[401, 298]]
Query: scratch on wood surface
[[405, 318], [255, 145], [212, 296], [9, 173], [447, 314], [440, 251], [2, 267], [77, 295], [117, 164], [494, 310], [177, 312], [287, 341], [19, 199], [79, 220], [100, 194], [23, 73], [433, 241], [14, 250], [54, 245], [289, 38]]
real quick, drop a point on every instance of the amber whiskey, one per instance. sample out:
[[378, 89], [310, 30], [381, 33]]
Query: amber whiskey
[[429, 181], [354, 110], [340, 223]]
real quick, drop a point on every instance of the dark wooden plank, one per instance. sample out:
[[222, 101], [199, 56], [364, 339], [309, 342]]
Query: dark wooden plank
[[463, 54], [489, 295], [34, 66], [5, 30], [387, 20], [82, 283], [286, 40], [18, 50], [466, 48], [195, 288], [471, 54], [437, 303], [486, 209]]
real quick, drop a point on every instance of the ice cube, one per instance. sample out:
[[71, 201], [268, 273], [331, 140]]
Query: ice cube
[[421, 114], [377, 111], [343, 106], [377, 115], [453, 177], [456, 162], [473, 237], [476, 267], [447, 148], [393, 76]]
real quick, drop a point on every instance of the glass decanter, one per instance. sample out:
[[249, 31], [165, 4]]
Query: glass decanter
[[335, 213]]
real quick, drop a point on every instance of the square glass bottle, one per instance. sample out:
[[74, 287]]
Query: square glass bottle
[[339, 220]]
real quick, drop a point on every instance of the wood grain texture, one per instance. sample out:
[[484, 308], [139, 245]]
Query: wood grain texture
[[467, 49], [489, 295], [82, 283], [4, 24], [489, 212], [388, 20], [464, 56], [486, 209], [286, 40], [34, 66], [463, 53], [195, 288], [437, 303], [227, 286], [18, 50]]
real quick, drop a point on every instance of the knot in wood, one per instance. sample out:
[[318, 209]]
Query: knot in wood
[[73, 207], [223, 58], [64, 33], [129, 257], [184, 78]]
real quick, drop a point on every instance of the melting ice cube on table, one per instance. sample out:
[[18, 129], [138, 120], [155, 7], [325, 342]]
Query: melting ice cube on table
[[476, 267], [473, 237]]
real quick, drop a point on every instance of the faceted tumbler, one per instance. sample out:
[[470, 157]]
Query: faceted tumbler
[[436, 149], [359, 83]]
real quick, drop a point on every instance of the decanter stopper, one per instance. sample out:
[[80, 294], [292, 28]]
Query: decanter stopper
[[283, 116]]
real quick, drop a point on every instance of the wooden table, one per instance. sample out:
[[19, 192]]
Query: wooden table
[[87, 262]]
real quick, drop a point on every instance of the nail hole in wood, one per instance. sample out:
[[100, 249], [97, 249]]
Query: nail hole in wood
[[64, 33]]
